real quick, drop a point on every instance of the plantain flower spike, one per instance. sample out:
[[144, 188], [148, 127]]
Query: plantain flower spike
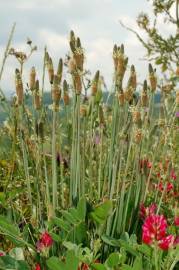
[[152, 78], [60, 70], [66, 97], [133, 77], [50, 70], [19, 87], [32, 79], [144, 96], [94, 85], [37, 98], [56, 93]]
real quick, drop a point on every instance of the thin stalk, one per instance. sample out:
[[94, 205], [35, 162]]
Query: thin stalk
[[91, 150], [6, 53], [83, 158], [48, 201], [25, 160], [78, 187], [100, 162], [54, 165], [72, 160]]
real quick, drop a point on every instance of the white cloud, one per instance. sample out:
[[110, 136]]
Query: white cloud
[[96, 22], [55, 42]]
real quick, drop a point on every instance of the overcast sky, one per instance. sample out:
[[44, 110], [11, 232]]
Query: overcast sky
[[48, 23]]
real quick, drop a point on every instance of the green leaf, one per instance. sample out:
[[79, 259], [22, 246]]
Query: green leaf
[[72, 260], [11, 231], [113, 259], [61, 223], [69, 245], [22, 265], [7, 262], [120, 243], [75, 213], [81, 208], [98, 266], [55, 264], [129, 248], [127, 267], [110, 241], [146, 250], [80, 233], [158, 61], [137, 263], [56, 237], [101, 212], [69, 217]]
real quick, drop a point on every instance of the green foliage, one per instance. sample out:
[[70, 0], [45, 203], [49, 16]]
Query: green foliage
[[9, 263], [72, 223], [101, 212], [71, 262], [11, 231]]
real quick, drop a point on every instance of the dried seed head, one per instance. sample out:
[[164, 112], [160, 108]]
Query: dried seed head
[[120, 62], [79, 60], [72, 47], [40, 130], [83, 111], [137, 136], [60, 70], [47, 57], [94, 85], [72, 42], [145, 86], [122, 48], [152, 78], [72, 35], [32, 78], [115, 58], [136, 117], [144, 96], [115, 49], [133, 78], [50, 70], [101, 116], [78, 42], [121, 98], [153, 82], [128, 94], [29, 41], [37, 98], [65, 86], [19, 87], [121, 66], [20, 56], [77, 83], [72, 65], [150, 69], [56, 93], [66, 97], [144, 99]]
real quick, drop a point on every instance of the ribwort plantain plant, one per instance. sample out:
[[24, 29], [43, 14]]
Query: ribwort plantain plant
[[86, 163]]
